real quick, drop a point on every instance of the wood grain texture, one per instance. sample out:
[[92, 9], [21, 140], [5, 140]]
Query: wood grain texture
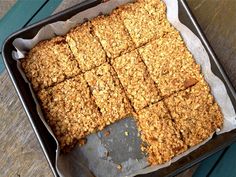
[[20, 151], [5, 5], [21, 154], [217, 19]]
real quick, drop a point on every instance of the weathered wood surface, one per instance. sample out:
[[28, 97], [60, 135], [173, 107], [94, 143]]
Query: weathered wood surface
[[217, 18], [20, 153]]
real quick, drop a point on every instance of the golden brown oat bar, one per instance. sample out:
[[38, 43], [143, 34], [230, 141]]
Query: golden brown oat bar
[[49, 62], [135, 79], [170, 63], [108, 93], [158, 132], [70, 110], [85, 47], [112, 35], [195, 112], [144, 20]]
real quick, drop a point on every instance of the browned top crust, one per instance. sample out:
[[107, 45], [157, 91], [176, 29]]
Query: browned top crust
[[135, 78], [49, 62], [108, 93], [85, 47], [145, 20], [162, 138], [70, 110], [112, 35], [170, 63], [195, 113]]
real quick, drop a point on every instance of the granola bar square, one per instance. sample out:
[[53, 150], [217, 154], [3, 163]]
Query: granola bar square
[[85, 47], [108, 93], [170, 64], [134, 77], [70, 110], [144, 20], [49, 63], [112, 35], [162, 141], [195, 113]]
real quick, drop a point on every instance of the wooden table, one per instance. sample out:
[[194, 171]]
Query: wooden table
[[20, 153]]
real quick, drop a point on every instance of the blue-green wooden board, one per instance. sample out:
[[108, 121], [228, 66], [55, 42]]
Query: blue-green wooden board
[[226, 167], [23, 13], [18, 16], [1, 64], [221, 164]]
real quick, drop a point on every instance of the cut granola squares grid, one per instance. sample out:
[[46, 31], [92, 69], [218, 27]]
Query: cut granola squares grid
[[85, 47], [70, 110], [49, 62], [162, 141], [108, 93], [144, 20], [195, 113], [112, 35], [135, 79], [170, 64], [75, 107]]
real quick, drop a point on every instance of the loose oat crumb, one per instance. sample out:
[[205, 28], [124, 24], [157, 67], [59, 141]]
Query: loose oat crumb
[[82, 141], [119, 167], [107, 133]]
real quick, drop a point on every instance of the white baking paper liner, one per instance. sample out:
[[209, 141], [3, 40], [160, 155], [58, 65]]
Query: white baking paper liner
[[71, 164]]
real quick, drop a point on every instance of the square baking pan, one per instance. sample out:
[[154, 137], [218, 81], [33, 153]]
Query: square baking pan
[[46, 140]]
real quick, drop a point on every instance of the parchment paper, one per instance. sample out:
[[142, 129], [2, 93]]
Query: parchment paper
[[102, 155]]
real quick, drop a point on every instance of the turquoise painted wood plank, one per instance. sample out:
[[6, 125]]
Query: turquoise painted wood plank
[[1, 64], [206, 165], [47, 10], [227, 165], [18, 16]]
